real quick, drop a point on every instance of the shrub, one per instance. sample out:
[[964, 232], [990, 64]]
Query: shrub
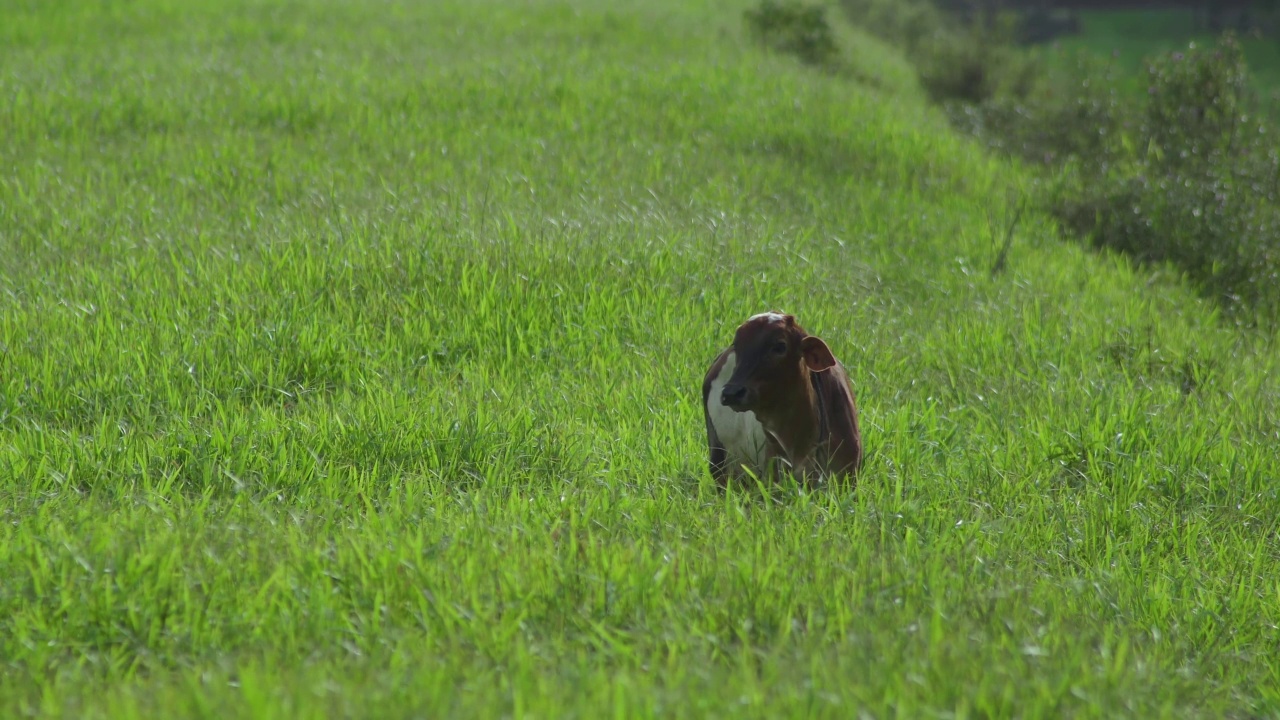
[[1186, 174], [908, 23], [792, 27], [1193, 183], [974, 63], [956, 60], [1198, 103], [1079, 112]]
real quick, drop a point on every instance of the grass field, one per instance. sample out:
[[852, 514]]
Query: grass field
[[350, 358], [1133, 36]]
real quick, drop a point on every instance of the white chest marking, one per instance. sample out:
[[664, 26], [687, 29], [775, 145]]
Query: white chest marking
[[740, 432]]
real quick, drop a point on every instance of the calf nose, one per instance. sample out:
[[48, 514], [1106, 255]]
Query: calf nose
[[733, 395]]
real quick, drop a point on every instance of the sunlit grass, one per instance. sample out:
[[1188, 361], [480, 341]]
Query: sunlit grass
[[350, 358]]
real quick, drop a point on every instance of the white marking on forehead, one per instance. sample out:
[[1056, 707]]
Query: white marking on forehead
[[772, 317]]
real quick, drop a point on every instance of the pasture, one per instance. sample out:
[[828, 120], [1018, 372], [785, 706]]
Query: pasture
[[1132, 37], [350, 358]]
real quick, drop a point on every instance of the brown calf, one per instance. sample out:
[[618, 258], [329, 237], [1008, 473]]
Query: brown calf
[[777, 396]]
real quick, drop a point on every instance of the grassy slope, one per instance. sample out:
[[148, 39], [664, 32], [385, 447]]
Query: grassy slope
[[350, 367]]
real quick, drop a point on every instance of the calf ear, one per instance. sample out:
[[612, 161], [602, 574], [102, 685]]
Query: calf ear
[[817, 356]]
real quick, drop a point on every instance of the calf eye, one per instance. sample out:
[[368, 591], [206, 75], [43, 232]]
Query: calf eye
[[780, 348]]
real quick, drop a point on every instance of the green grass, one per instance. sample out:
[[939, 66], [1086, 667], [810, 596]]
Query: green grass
[[1134, 36], [350, 359]]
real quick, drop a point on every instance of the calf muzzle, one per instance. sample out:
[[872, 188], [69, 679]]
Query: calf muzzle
[[734, 396]]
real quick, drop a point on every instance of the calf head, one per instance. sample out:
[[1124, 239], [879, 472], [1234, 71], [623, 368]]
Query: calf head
[[774, 358]]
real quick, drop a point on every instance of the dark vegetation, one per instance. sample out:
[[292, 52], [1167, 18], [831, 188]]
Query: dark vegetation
[[793, 27], [1184, 170]]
